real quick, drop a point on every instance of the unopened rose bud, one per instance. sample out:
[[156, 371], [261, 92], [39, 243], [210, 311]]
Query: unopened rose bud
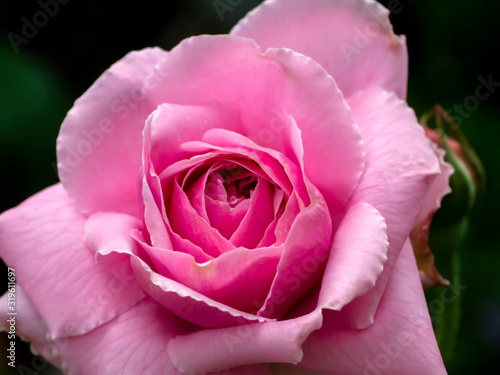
[[463, 172]]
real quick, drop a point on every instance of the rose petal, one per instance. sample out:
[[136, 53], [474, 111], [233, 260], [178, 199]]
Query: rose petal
[[324, 136], [357, 257], [224, 217], [274, 342], [355, 261], [284, 223], [153, 203], [186, 222], [352, 39], [196, 195], [115, 238], [100, 138], [155, 217], [401, 169], [42, 239], [171, 125], [304, 257], [400, 342], [260, 214], [133, 343]]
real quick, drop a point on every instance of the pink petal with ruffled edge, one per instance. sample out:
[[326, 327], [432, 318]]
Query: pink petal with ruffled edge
[[43, 240], [100, 139], [401, 168], [357, 257], [401, 341], [352, 39], [276, 342]]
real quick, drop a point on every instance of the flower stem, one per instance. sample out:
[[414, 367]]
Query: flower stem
[[447, 318]]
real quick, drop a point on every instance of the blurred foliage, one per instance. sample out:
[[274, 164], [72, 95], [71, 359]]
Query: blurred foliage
[[451, 43]]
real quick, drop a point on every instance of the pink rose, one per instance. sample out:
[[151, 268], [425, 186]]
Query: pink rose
[[241, 204]]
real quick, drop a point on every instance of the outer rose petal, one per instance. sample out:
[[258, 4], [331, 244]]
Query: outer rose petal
[[352, 39], [255, 343], [264, 90], [42, 239], [401, 166], [400, 342], [99, 144]]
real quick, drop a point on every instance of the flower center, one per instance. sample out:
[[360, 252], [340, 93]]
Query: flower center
[[231, 185]]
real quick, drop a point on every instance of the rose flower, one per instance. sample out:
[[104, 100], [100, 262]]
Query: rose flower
[[236, 205]]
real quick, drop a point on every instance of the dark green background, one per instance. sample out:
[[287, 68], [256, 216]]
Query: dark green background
[[451, 43]]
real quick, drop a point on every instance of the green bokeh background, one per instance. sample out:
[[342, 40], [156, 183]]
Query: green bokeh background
[[451, 43]]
